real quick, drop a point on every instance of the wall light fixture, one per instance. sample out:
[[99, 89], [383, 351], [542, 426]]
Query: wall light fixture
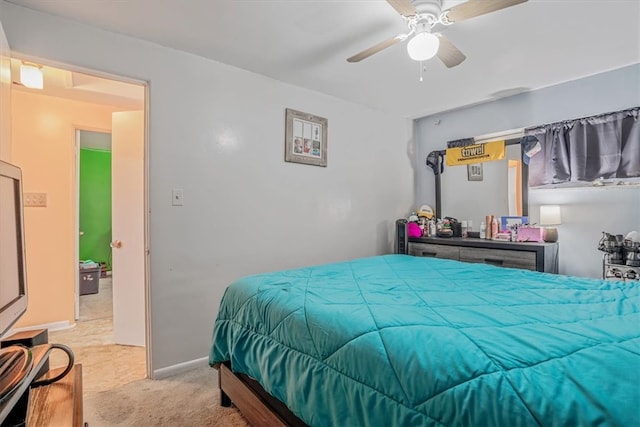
[[31, 75]]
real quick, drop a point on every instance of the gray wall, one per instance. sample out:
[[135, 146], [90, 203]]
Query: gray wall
[[586, 212], [218, 132]]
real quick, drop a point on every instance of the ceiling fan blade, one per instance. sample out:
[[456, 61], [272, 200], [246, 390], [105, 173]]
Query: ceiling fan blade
[[403, 7], [448, 53], [473, 8], [376, 48]]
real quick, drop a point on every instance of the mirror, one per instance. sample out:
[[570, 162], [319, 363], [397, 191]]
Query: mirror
[[491, 188]]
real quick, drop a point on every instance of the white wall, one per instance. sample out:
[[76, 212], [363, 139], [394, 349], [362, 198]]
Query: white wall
[[585, 212], [218, 133]]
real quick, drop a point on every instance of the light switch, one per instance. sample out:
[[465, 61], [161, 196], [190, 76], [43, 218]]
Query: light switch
[[177, 197], [35, 200]]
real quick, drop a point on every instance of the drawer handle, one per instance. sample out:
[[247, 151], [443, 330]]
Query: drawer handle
[[429, 254], [494, 261]]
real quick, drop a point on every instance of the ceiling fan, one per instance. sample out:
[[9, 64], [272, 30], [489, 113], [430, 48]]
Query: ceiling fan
[[422, 16]]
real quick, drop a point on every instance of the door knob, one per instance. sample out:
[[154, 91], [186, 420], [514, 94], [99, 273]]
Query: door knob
[[116, 244]]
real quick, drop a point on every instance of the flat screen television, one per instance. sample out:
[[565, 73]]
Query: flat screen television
[[13, 271]]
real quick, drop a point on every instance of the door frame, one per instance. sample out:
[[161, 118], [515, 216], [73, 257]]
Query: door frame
[[76, 184], [76, 141]]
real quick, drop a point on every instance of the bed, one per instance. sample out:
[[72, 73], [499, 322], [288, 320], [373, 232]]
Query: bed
[[398, 340]]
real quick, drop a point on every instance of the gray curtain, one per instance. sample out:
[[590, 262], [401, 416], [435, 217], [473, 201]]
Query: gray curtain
[[604, 146]]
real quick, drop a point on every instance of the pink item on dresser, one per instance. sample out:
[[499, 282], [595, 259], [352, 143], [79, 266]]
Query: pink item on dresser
[[530, 234], [413, 230]]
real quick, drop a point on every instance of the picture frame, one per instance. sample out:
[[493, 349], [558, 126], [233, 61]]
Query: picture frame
[[474, 172], [305, 138], [507, 222]]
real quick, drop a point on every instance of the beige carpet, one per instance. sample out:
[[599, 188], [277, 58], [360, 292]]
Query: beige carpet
[[105, 365], [115, 393], [98, 306], [188, 399]]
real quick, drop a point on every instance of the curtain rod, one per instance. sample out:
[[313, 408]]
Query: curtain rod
[[626, 110], [511, 141]]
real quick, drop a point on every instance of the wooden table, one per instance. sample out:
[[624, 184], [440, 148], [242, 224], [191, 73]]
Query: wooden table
[[57, 404]]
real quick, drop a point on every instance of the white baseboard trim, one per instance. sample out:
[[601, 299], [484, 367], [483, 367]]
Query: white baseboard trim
[[53, 326], [161, 373]]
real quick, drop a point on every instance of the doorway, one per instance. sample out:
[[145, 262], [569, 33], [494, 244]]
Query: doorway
[[47, 147], [94, 299]]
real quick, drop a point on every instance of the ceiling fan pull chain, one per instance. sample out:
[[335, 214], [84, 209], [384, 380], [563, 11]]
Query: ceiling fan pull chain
[[421, 69]]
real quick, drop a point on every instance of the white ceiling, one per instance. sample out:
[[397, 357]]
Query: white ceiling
[[306, 43]]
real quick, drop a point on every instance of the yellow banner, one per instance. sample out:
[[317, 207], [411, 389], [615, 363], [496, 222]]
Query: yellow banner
[[476, 153]]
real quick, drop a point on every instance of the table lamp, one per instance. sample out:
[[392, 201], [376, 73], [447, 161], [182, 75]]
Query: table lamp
[[550, 215]]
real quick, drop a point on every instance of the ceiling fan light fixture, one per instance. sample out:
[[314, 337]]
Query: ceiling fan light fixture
[[423, 46], [31, 75]]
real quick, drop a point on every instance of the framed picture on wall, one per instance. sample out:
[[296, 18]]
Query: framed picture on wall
[[474, 172], [305, 139]]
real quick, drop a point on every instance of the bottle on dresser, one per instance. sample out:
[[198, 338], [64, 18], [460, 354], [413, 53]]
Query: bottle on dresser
[[432, 227], [483, 230], [488, 221], [494, 227]]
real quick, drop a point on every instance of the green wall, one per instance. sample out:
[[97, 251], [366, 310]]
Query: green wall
[[95, 205]]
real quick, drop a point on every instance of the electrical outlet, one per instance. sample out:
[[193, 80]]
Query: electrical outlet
[[35, 200], [177, 198]]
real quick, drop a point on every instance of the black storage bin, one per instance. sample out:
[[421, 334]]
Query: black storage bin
[[89, 280]]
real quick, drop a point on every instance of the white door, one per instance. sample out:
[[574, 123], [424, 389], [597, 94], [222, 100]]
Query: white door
[[127, 207]]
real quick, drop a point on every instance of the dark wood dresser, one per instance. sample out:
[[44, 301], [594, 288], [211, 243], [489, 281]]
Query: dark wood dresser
[[526, 255]]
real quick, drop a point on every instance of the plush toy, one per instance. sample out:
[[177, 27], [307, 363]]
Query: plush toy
[[413, 230]]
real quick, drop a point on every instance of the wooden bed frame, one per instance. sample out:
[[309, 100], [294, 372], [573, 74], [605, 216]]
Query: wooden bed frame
[[255, 404]]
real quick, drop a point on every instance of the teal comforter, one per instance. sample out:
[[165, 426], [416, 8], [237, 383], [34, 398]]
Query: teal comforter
[[406, 341]]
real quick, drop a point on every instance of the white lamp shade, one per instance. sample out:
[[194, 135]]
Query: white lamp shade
[[31, 76], [423, 46], [550, 215]]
